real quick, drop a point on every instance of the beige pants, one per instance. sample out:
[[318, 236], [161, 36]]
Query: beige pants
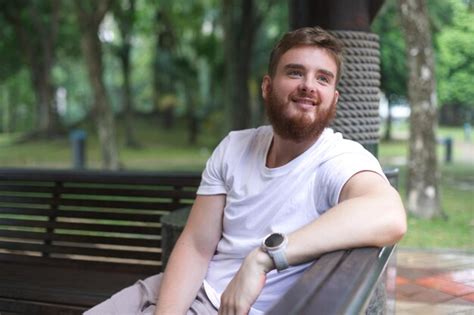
[[140, 298]]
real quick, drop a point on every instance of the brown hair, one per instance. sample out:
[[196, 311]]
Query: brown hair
[[312, 36]]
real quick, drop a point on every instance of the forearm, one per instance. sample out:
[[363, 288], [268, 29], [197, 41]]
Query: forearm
[[182, 278], [369, 220], [188, 263]]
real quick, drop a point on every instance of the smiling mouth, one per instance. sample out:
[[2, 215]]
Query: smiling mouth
[[304, 101]]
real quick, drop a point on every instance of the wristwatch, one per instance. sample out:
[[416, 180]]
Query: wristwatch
[[274, 244]]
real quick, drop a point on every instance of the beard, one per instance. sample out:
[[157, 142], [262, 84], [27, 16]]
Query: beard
[[301, 126]]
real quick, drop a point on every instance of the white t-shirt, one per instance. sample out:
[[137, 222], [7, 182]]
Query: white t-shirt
[[261, 200]]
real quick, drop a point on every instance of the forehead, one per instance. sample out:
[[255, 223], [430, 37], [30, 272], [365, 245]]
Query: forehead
[[309, 57]]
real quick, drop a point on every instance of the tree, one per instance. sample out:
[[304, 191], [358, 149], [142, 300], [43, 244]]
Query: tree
[[124, 12], [241, 20], [423, 173], [187, 63], [36, 26], [164, 74], [90, 14], [456, 65]]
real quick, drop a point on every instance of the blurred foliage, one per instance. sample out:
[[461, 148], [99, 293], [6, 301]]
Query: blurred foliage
[[392, 51], [178, 50], [456, 57], [453, 33]]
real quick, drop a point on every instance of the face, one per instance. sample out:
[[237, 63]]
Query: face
[[301, 98]]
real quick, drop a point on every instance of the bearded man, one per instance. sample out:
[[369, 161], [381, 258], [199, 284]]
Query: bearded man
[[274, 198]]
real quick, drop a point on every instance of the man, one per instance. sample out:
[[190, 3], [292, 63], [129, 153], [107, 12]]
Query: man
[[296, 186]]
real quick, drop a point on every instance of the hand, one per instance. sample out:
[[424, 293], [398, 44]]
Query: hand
[[247, 284]]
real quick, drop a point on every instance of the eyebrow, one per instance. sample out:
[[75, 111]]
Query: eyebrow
[[299, 66], [293, 66]]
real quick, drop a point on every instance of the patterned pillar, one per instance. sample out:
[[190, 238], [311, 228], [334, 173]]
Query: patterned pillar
[[357, 115]]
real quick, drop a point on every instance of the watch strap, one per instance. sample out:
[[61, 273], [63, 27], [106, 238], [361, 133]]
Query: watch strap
[[279, 258]]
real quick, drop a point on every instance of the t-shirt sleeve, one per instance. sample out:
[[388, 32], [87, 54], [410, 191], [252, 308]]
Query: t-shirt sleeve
[[213, 176], [335, 173]]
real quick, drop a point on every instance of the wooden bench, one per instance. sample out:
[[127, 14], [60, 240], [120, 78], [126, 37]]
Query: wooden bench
[[70, 239]]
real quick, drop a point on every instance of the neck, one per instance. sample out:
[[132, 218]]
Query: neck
[[283, 151]]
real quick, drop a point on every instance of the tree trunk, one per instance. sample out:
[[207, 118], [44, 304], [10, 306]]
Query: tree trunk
[[90, 15], [125, 21], [36, 27], [165, 48], [423, 174], [240, 25], [130, 138], [47, 115], [5, 111]]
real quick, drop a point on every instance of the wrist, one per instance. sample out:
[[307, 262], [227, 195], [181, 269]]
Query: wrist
[[262, 260]]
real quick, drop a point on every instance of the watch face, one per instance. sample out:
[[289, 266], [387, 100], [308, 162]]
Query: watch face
[[274, 240]]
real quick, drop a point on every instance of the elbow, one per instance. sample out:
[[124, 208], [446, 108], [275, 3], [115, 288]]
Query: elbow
[[396, 220], [392, 234], [398, 231], [393, 225], [396, 227]]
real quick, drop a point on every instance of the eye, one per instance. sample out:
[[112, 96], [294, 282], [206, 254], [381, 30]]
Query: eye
[[295, 73], [323, 78]]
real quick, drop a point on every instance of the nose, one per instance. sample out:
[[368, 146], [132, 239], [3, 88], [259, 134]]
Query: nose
[[307, 86]]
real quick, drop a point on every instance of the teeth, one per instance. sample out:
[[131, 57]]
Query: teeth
[[304, 101]]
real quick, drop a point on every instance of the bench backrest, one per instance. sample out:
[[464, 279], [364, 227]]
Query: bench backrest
[[84, 218]]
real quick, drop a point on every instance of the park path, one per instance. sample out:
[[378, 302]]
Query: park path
[[434, 282]]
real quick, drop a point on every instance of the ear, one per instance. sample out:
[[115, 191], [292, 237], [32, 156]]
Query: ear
[[336, 97], [266, 86]]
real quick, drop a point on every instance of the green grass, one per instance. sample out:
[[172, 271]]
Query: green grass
[[161, 150], [169, 150], [457, 231], [456, 186]]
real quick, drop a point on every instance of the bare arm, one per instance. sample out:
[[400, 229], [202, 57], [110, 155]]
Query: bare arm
[[190, 257], [369, 213]]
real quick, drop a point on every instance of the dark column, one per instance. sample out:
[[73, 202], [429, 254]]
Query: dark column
[[349, 20], [354, 15]]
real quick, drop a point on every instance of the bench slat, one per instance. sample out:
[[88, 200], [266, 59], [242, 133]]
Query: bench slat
[[86, 239], [312, 280], [27, 200], [83, 226], [71, 250], [331, 286], [26, 188], [24, 235], [119, 204], [141, 242], [128, 216], [332, 300], [26, 211], [122, 216], [92, 176], [58, 262], [111, 191]]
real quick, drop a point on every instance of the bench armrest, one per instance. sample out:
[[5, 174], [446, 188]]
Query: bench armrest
[[339, 282]]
